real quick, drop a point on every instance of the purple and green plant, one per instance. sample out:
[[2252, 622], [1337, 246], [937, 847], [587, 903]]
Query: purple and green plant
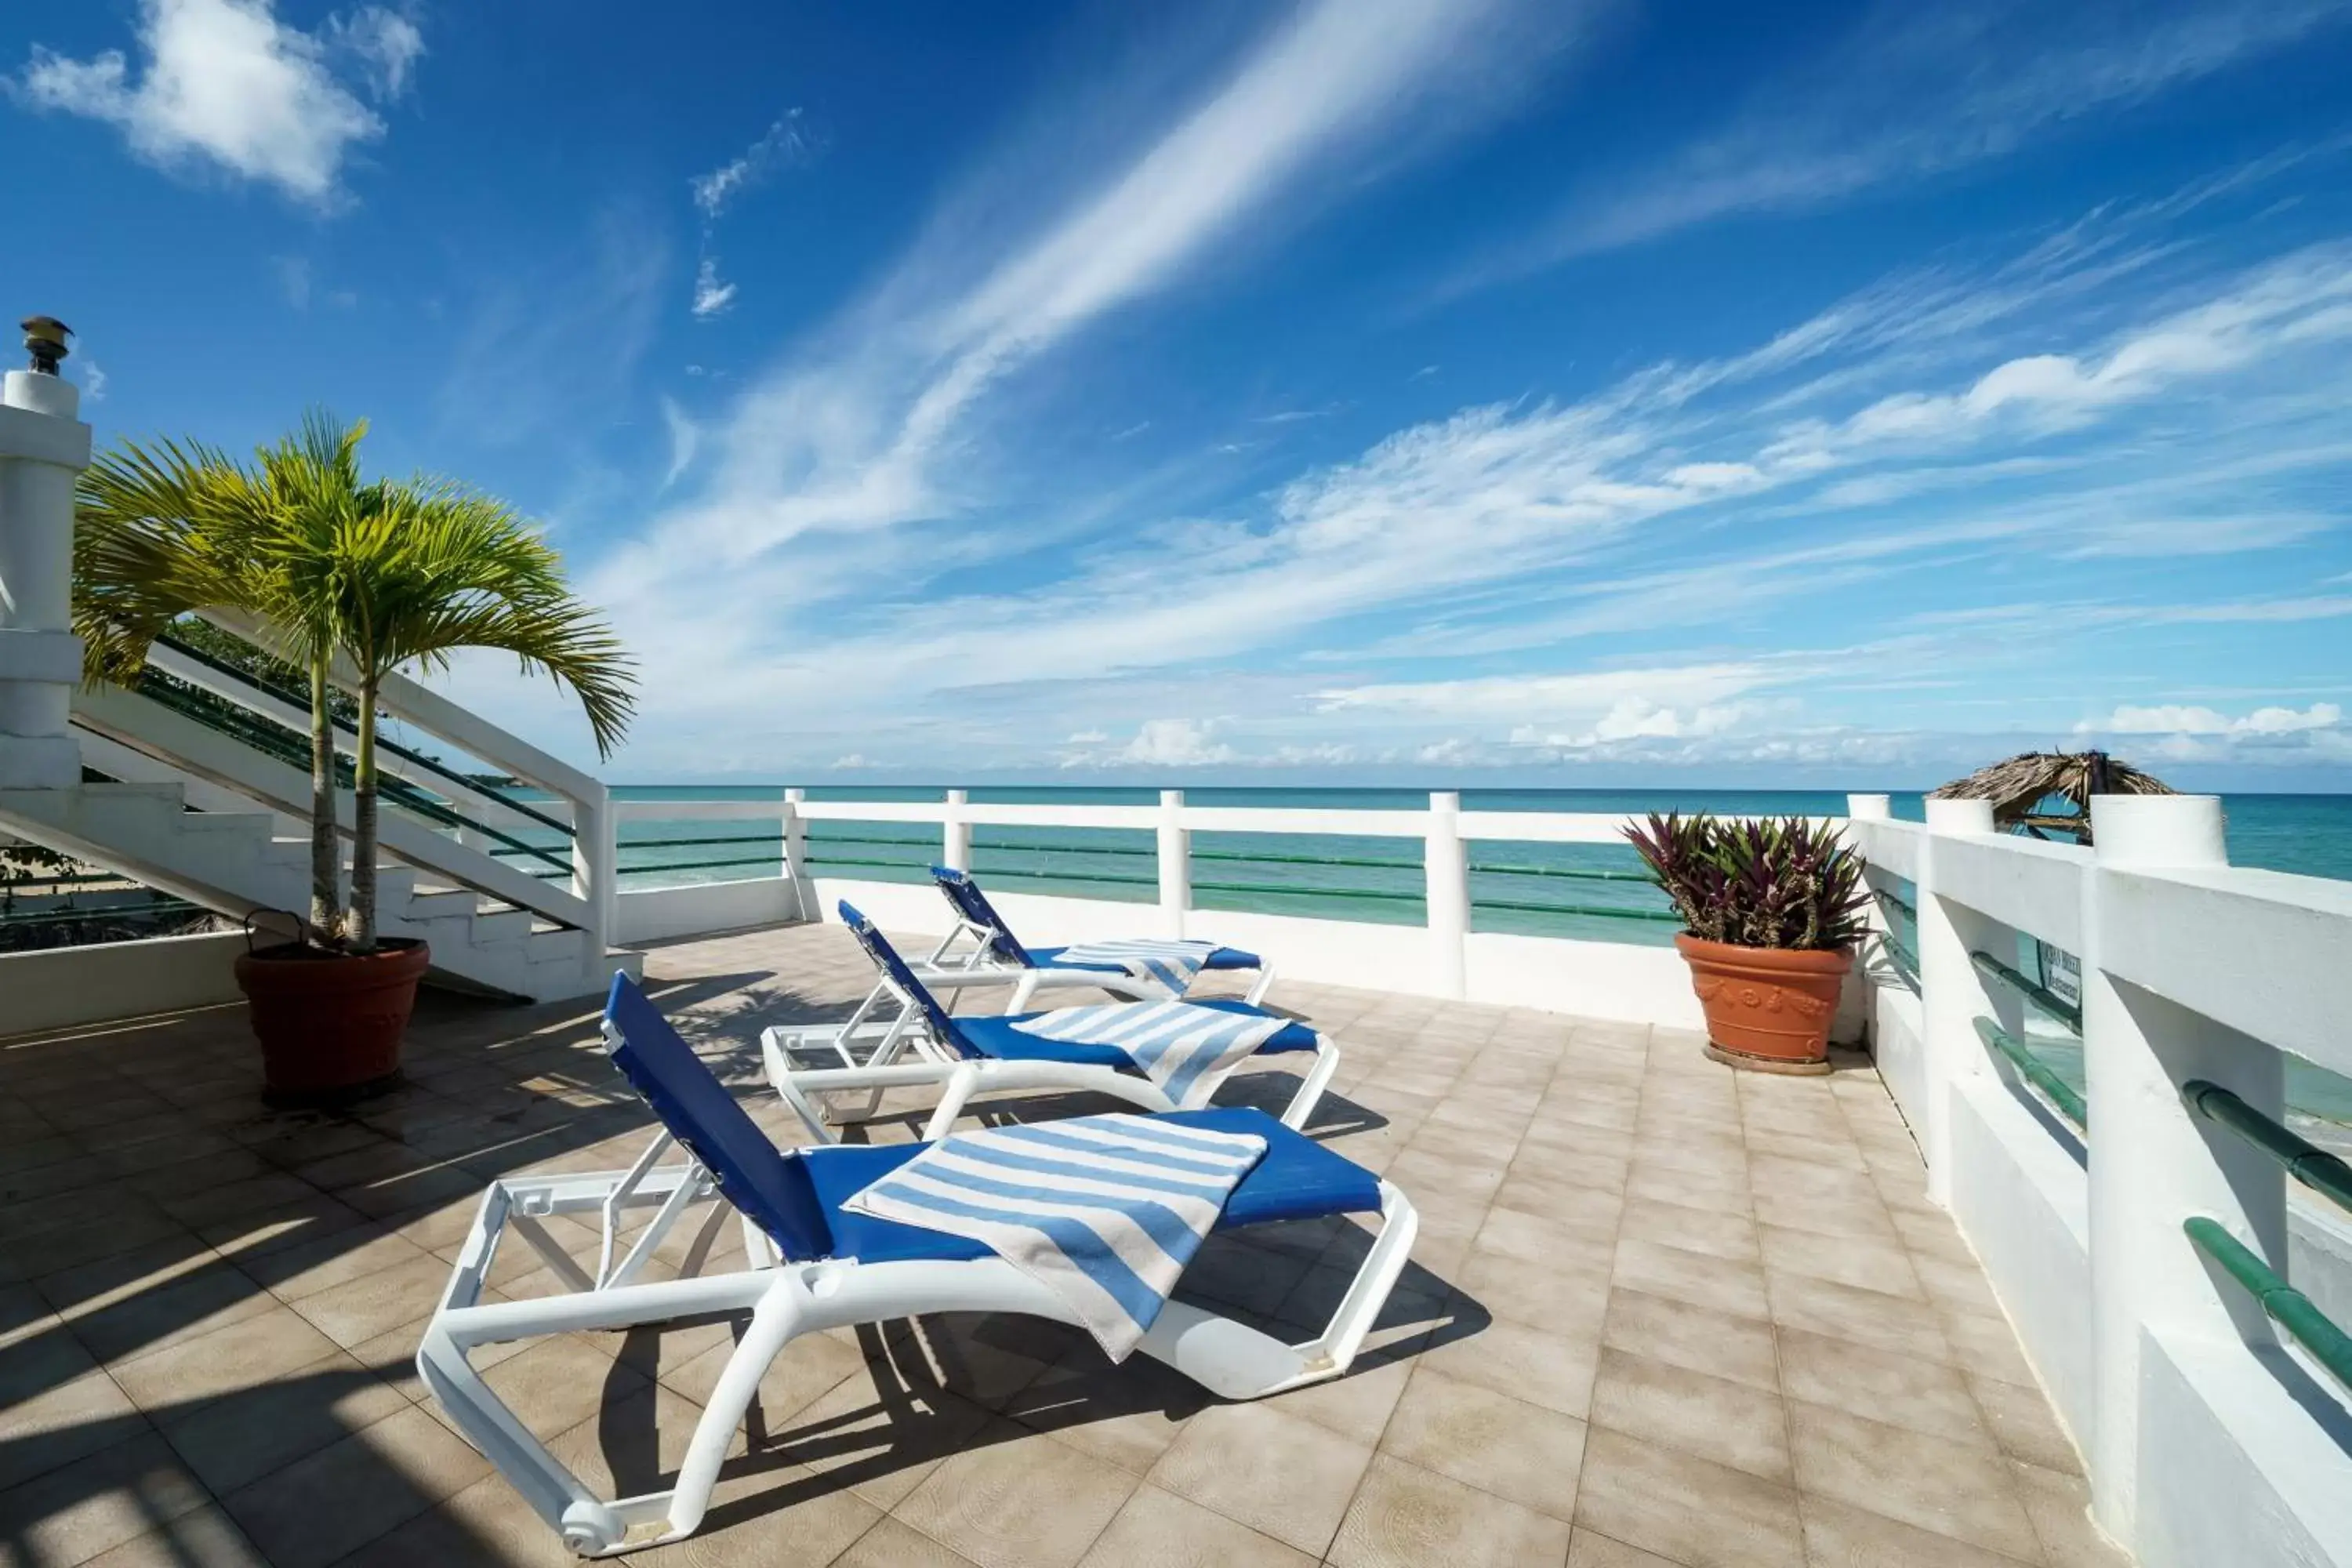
[[1774, 882]]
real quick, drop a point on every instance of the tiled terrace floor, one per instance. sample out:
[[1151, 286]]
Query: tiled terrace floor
[[1659, 1313]]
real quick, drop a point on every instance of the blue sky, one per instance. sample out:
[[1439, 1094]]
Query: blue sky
[[1386, 389]]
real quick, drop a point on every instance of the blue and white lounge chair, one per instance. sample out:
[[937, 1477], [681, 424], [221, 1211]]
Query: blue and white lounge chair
[[813, 1267], [909, 1038], [981, 949]]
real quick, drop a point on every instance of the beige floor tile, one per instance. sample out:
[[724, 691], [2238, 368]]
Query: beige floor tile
[[1987, 1347], [1157, 1529], [2024, 1425], [1488, 1440], [1868, 1264], [1865, 1317], [2060, 1507], [64, 1421], [1714, 1231], [357, 1310], [876, 1436], [1728, 1423], [1567, 1297], [1953, 1488], [254, 1429], [1403, 1516], [1025, 1501], [1721, 1345], [1703, 1280], [1551, 1367], [891, 1544], [73, 1513], [206, 1538], [345, 1495], [243, 1355], [1280, 1474], [1852, 1537], [1884, 1385], [1587, 1550], [1686, 1509]]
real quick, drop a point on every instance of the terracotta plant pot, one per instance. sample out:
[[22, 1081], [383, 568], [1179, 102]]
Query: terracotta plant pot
[[330, 1024], [1766, 1008]]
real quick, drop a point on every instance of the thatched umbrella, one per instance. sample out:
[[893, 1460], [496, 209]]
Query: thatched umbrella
[[2018, 787]]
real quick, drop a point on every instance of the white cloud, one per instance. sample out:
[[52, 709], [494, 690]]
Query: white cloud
[[225, 83], [685, 439], [1162, 744], [93, 380], [784, 142], [2178, 719], [711, 297]]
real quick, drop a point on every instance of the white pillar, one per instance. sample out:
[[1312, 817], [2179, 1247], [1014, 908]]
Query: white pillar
[[955, 835], [1853, 1023], [43, 448], [797, 867], [595, 870], [2154, 1163], [1870, 807], [1175, 864], [1952, 995], [1445, 867]]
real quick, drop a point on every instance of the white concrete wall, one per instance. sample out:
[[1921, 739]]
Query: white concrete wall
[[59, 988], [659, 914]]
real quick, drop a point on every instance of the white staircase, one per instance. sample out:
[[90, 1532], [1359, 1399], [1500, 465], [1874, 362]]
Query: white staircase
[[234, 863]]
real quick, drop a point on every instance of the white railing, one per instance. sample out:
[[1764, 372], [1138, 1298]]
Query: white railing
[[2211, 1437]]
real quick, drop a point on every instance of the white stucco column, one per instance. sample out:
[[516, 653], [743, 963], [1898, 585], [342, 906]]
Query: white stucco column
[[1870, 807], [797, 867], [44, 446], [2154, 1163], [1952, 995], [1446, 871], [1175, 855], [955, 835]]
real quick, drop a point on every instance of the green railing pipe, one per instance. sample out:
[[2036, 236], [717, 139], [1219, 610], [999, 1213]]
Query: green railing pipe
[[2036, 1071], [2286, 1306], [2307, 1162], [2040, 997]]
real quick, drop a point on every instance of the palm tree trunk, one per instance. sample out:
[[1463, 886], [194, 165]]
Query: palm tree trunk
[[363, 926], [325, 911]]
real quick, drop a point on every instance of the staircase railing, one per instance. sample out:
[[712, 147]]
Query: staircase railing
[[456, 824]]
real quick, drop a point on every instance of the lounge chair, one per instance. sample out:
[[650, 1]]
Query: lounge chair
[[814, 1266], [909, 1038], [981, 949]]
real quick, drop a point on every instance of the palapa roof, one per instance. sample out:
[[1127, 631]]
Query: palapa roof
[[2022, 783]]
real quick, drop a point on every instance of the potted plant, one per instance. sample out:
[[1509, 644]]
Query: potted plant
[[351, 580], [1773, 912]]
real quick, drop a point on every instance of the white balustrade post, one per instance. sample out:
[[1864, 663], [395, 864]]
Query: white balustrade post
[[1446, 867], [1854, 1014], [1870, 807], [1175, 864], [2154, 1163], [44, 446], [595, 871], [1952, 993], [797, 867], [955, 835]]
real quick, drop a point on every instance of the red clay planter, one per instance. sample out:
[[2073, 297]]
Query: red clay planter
[[1768, 1008], [331, 1023]]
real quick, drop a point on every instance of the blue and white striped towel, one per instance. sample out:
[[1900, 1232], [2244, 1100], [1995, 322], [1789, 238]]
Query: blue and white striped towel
[[1171, 962], [1187, 1049], [1104, 1211]]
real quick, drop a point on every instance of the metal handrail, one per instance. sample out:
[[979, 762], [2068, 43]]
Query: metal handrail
[[2307, 1162], [430, 764], [2036, 1071], [1597, 910], [1909, 912], [2044, 1000], [1572, 873], [2286, 1306]]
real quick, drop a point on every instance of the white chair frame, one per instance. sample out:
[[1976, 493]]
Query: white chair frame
[[948, 966], [784, 1300], [899, 1052]]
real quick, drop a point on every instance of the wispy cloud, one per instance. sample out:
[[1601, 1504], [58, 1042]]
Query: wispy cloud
[[786, 142], [1913, 91], [225, 85]]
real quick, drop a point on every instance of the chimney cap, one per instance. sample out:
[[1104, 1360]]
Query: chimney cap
[[45, 340]]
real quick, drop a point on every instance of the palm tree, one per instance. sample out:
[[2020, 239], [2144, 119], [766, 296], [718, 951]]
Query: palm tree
[[377, 574]]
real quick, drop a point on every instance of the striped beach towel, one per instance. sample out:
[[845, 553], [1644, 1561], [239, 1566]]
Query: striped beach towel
[[1171, 962], [1104, 1211], [1187, 1049]]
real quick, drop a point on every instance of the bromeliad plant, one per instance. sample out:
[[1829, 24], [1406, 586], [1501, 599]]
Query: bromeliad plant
[[1785, 883], [350, 576]]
